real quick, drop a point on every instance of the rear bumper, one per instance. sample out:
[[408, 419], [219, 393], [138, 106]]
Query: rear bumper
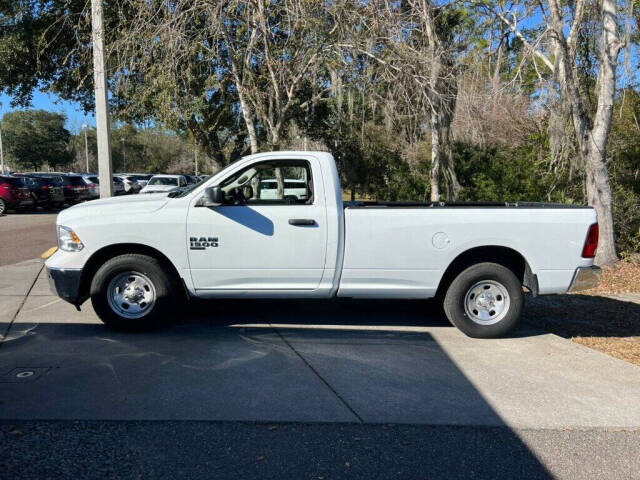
[[65, 283], [585, 278]]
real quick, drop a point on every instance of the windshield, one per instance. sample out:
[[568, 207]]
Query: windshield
[[172, 181]]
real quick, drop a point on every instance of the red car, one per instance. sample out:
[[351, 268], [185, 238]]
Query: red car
[[14, 193]]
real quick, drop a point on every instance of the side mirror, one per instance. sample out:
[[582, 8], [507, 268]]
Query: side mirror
[[213, 197]]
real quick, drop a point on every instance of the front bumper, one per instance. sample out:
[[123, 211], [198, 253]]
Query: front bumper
[[585, 278], [65, 283]]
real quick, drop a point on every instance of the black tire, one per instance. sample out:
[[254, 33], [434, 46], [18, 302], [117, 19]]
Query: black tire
[[163, 284], [3, 207], [504, 313]]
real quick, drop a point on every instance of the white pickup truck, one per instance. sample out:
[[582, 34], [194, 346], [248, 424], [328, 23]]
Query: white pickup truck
[[136, 257]]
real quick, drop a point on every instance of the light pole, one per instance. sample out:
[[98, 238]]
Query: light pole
[[86, 146], [196, 158], [124, 156], [105, 167], [1, 152]]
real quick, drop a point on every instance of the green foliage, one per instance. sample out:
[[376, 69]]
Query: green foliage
[[44, 44], [35, 137], [624, 170], [141, 150]]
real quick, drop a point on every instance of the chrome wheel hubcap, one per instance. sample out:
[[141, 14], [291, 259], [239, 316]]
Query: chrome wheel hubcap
[[131, 294], [487, 302]]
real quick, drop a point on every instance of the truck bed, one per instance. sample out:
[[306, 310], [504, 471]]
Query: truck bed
[[376, 204], [404, 248]]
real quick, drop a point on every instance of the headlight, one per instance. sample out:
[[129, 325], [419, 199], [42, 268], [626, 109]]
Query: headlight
[[68, 240]]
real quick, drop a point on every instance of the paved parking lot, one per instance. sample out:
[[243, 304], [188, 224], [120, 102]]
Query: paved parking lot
[[298, 361], [26, 235]]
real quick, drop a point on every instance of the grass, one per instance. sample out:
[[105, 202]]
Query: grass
[[606, 318]]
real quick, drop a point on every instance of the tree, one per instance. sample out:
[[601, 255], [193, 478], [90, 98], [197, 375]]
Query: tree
[[416, 45], [34, 138], [565, 24]]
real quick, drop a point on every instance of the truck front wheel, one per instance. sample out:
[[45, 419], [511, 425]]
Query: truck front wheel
[[484, 301], [133, 292]]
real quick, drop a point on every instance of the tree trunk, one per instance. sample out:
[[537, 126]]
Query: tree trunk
[[598, 184], [280, 181], [452, 184], [434, 174], [593, 137], [599, 196], [248, 120], [275, 138], [255, 185]]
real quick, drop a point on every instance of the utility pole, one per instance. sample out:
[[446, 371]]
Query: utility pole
[[196, 156], [1, 152], [103, 130], [86, 146], [124, 156]]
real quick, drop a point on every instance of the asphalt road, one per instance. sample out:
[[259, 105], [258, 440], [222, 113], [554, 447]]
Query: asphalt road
[[26, 236], [230, 450]]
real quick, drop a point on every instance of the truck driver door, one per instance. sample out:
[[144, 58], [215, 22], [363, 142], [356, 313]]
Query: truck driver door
[[269, 234]]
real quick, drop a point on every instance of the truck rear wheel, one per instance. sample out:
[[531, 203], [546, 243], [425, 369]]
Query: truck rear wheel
[[484, 301], [133, 292]]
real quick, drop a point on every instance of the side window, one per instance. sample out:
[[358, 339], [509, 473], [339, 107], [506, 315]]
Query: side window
[[276, 182]]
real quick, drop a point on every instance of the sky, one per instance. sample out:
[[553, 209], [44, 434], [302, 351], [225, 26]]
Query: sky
[[44, 101]]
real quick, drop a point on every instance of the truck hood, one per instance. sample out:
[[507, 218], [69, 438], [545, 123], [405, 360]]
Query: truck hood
[[125, 205]]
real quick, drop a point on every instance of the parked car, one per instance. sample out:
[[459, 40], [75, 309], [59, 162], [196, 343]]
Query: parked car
[[133, 256], [141, 178], [73, 186], [45, 191], [118, 186], [93, 184], [164, 183], [14, 193], [130, 184]]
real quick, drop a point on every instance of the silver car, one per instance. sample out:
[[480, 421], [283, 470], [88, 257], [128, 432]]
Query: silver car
[[93, 183], [130, 183]]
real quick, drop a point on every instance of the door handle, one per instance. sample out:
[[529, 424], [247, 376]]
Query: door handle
[[300, 222]]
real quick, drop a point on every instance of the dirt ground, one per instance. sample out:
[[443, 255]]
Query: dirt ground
[[610, 321]]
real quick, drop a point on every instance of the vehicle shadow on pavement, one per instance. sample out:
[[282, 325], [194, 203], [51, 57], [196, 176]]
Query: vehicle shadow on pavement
[[340, 312], [354, 370], [584, 316]]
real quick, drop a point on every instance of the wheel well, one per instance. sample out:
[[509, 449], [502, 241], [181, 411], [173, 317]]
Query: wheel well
[[504, 256], [106, 253]]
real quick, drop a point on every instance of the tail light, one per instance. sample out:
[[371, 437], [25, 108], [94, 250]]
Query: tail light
[[591, 243], [92, 185]]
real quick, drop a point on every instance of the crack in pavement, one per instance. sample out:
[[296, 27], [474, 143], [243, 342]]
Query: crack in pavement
[[329, 386], [24, 300]]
